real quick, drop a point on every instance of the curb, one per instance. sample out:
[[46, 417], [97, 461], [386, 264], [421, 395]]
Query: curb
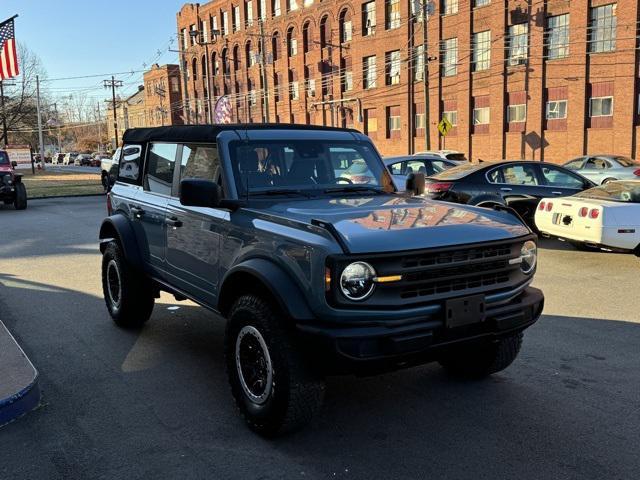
[[27, 394]]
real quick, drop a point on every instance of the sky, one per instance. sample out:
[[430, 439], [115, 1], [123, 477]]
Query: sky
[[95, 37]]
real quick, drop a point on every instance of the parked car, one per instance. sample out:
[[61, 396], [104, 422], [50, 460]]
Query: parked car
[[108, 169], [96, 160], [83, 159], [602, 169], [12, 190], [403, 166], [58, 158], [516, 184], [605, 217], [69, 158], [315, 276], [457, 157]]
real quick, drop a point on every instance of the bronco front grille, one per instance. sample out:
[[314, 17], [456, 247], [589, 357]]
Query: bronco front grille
[[432, 275]]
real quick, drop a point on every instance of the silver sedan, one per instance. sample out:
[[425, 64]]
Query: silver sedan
[[602, 169], [401, 167]]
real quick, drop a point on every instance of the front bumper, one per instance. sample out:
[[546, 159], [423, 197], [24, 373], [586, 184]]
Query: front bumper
[[7, 192], [373, 348]]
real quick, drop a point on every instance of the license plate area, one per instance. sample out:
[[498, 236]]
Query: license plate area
[[464, 311], [562, 219]]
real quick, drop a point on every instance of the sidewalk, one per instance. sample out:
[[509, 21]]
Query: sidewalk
[[19, 390]]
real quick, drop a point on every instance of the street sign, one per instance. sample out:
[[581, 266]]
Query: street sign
[[444, 126]]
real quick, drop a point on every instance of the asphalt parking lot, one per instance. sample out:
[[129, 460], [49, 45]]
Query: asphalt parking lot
[[156, 404]]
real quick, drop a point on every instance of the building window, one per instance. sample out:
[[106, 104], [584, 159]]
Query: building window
[[235, 14], [518, 42], [392, 14], [393, 121], [602, 25], [369, 72], [175, 85], [248, 12], [418, 65], [252, 98], [392, 63], [452, 116], [225, 23], [601, 107], [481, 116], [262, 9], [275, 7], [557, 40], [481, 3], [346, 27], [481, 50], [194, 39], [292, 43], [556, 109], [517, 113], [368, 18], [370, 121], [276, 87], [294, 94], [275, 46], [183, 39], [311, 87], [449, 7], [347, 79], [292, 5], [449, 57], [420, 121]]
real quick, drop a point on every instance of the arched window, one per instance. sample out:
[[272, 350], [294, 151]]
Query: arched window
[[292, 43], [307, 42], [194, 68], [236, 58], [248, 54], [275, 45], [203, 63], [346, 27], [225, 63], [214, 64], [325, 32]]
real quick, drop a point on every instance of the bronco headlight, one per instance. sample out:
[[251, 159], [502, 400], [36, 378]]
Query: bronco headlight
[[357, 281], [528, 256]]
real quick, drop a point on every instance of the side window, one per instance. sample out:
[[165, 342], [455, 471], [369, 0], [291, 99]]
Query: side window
[[554, 177], [200, 161], [495, 176], [591, 164], [417, 166], [396, 168], [519, 175], [601, 163], [130, 163], [575, 164], [160, 164], [439, 165]]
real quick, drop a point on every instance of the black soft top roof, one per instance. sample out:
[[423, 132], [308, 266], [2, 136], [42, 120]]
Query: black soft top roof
[[208, 133]]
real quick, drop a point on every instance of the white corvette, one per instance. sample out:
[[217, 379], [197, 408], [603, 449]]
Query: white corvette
[[605, 217]]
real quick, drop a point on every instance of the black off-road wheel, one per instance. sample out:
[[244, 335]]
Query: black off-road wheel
[[20, 202], [482, 361], [128, 293], [105, 182], [274, 389]]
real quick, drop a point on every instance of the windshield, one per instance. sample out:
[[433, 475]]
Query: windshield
[[456, 173], [626, 162], [270, 167], [628, 192], [4, 158]]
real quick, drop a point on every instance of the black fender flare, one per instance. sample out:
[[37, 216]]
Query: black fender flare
[[118, 227], [271, 277]]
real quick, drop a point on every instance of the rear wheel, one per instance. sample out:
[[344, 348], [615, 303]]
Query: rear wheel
[[482, 361], [608, 180], [20, 202], [128, 293], [273, 387]]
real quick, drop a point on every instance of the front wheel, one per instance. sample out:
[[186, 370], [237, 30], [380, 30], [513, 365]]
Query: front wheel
[[128, 293], [273, 387], [482, 361], [20, 202]]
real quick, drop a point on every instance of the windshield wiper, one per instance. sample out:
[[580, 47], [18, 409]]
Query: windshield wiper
[[281, 191], [354, 189]]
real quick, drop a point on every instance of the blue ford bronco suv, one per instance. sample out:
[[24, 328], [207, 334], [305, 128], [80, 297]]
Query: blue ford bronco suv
[[297, 236]]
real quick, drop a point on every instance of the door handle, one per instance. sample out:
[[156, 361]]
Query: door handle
[[173, 222], [137, 212], [557, 193], [506, 189]]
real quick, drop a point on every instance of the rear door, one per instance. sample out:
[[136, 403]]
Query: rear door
[[193, 234], [559, 182], [150, 204]]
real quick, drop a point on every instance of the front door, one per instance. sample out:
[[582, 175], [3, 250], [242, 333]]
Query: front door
[[560, 182], [194, 234], [519, 186]]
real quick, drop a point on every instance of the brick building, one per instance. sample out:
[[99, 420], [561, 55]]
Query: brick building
[[130, 113], [163, 95], [543, 79]]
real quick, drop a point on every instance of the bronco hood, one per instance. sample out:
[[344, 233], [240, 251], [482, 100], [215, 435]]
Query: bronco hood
[[385, 223]]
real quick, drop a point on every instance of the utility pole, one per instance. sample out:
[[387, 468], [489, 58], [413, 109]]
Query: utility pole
[[263, 72], [40, 136], [161, 92], [113, 83], [99, 128], [426, 7]]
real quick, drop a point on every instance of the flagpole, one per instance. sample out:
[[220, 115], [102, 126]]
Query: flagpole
[[4, 114], [40, 138]]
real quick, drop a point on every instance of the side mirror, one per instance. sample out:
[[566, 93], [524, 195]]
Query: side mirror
[[14, 164], [415, 183], [196, 192]]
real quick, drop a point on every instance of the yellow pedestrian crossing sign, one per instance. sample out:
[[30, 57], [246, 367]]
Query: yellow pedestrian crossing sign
[[444, 126]]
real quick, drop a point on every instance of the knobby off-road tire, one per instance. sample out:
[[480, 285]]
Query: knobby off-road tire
[[20, 202], [128, 293], [479, 362], [273, 388]]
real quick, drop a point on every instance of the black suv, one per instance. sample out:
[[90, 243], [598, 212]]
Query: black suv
[[12, 190], [317, 269]]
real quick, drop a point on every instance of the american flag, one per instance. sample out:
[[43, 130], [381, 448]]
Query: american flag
[[8, 55], [222, 110]]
